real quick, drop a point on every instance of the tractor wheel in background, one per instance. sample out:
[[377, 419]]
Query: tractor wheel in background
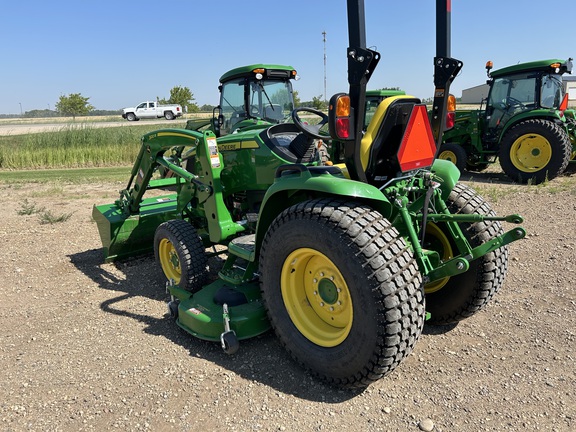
[[455, 298], [131, 117], [169, 115], [342, 290], [455, 154], [181, 254], [534, 151]]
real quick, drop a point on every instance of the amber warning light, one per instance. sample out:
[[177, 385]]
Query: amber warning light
[[340, 116]]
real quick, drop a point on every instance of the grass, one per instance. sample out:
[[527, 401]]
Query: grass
[[76, 176]]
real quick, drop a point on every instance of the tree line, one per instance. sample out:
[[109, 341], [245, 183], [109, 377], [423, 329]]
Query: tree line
[[74, 104]]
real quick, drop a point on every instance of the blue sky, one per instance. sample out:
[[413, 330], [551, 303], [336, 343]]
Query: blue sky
[[119, 53]]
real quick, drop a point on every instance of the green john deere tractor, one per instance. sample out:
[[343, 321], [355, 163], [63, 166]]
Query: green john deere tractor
[[345, 262], [526, 124]]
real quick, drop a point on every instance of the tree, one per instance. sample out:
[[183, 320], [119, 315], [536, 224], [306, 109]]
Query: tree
[[297, 101], [73, 105], [182, 96], [318, 103]]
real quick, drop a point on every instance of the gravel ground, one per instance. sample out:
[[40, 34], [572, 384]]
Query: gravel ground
[[89, 346]]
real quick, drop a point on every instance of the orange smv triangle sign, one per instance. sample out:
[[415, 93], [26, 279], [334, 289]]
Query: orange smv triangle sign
[[417, 149]]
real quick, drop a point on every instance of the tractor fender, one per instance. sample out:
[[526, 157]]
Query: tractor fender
[[449, 175], [543, 114], [291, 189]]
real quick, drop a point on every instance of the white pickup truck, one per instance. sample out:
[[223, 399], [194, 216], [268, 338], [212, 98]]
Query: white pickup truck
[[151, 109]]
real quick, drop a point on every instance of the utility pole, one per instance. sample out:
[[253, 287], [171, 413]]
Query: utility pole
[[324, 34]]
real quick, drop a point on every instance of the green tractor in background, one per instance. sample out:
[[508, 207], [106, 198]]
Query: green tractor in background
[[344, 261], [526, 124]]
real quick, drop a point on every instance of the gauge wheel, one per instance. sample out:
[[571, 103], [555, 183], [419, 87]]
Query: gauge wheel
[[181, 254], [342, 290], [458, 297], [454, 153], [534, 151]]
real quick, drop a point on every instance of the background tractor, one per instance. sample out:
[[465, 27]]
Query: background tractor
[[526, 124], [343, 261]]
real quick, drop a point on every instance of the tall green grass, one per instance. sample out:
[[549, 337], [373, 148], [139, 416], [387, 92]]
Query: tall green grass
[[73, 146]]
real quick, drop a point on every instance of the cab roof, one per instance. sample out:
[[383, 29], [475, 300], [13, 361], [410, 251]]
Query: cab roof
[[271, 71], [540, 65]]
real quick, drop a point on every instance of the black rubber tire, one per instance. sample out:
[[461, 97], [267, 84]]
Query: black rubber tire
[[455, 153], [560, 147], [192, 262], [465, 294], [168, 115], [379, 273], [131, 117]]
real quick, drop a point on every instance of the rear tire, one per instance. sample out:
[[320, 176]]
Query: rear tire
[[534, 151], [454, 153], [342, 290], [169, 115], [458, 297], [181, 254]]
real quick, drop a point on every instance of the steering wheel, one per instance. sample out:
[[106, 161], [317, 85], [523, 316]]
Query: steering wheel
[[308, 129], [514, 102]]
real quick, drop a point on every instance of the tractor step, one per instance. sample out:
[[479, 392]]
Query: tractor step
[[243, 247], [240, 249]]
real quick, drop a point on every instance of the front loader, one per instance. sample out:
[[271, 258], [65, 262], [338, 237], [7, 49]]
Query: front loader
[[345, 262]]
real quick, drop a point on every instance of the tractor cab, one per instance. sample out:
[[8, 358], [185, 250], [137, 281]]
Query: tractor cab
[[518, 89], [256, 95]]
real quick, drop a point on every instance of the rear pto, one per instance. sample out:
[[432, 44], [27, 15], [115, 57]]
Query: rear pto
[[344, 261]]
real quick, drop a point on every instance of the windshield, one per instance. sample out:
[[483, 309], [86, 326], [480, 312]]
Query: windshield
[[552, 91], [269, 100]]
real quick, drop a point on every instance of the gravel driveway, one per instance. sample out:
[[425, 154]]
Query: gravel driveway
[[89, 346]]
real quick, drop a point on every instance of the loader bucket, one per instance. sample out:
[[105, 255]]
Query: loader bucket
[[125, 236]]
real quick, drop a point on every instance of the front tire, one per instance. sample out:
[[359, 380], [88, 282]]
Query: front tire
[[131, 117], [454, 153], [455, 298], [342, 290], [534, 151], [181, 254]]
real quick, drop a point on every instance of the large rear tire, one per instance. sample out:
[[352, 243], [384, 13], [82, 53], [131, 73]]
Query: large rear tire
[[181, 254], [458, 297], [342, 290], [534, 151]]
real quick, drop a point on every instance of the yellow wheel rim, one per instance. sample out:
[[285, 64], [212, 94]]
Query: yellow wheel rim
[[169, 260], [439, 242], [448, 155], [316, 297], [531, 153]]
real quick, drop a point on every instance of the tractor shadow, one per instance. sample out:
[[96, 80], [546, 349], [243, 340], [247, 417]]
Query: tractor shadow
[[261, 359], [489, 177]]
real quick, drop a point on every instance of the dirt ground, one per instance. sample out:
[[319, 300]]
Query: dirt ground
[[89, 346]]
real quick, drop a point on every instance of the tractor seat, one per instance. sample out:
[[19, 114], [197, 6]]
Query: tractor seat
[[287, 142], [383, 137]]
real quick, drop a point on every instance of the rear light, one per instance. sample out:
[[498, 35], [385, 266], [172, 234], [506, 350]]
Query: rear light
[[450, 112], [340, 117], [177, 108], [450, 119]]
